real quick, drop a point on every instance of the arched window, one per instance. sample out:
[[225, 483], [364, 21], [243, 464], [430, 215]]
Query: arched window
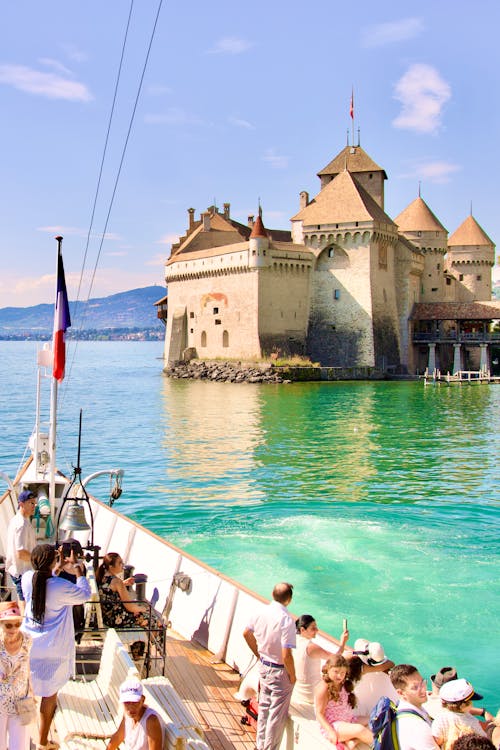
[[225, 338], [203, 338]]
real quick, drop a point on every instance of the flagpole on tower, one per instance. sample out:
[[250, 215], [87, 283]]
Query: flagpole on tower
[[351, 112]]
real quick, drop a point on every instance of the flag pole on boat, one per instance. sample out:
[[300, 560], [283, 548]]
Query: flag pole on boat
[[62, 321]]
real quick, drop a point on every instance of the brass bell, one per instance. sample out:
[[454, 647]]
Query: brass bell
[[75, 519]]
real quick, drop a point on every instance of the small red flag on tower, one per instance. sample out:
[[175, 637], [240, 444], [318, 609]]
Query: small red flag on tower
[[351, 108]]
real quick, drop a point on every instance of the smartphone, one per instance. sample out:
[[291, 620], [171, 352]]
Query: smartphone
[[344, 623]]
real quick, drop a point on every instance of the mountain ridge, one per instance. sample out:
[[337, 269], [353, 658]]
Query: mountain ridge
[[132, 309]]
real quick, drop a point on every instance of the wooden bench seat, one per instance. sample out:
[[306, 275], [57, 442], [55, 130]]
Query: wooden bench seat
[[92, 709], [302, 730], [183, 731]]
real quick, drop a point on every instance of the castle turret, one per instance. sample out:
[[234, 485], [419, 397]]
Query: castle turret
[[419, 225], [368, 174], [471, 255], [259, 244]]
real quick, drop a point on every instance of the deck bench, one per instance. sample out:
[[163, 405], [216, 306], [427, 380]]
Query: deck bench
[[183, 730], [302, 729], [92, 708]]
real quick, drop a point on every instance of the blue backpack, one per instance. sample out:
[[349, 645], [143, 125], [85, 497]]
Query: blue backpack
[[383, 724]]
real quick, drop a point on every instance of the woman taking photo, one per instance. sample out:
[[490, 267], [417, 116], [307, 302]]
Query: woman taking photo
[[49, 621], [308, 656], [14, 677]]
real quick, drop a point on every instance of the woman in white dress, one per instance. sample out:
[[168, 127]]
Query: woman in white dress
[[49, 621], [307, 658]]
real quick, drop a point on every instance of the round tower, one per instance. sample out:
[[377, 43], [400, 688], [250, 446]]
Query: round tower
[[259, 244], [471, 256], [419, 225]]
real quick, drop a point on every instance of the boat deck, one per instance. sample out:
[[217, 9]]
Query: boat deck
[[206, 687], [208, 690]]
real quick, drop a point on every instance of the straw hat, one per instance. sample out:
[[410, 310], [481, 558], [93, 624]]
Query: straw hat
[[9, 611]]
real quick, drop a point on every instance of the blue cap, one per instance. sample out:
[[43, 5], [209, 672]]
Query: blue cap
[[25, 495]]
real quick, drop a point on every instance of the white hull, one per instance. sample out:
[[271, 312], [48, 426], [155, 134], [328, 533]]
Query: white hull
[[213, 612]]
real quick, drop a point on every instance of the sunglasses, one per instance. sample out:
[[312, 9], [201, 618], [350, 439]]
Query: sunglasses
[[10, 625]]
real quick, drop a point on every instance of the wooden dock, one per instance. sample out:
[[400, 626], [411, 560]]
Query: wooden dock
[[462, 377]]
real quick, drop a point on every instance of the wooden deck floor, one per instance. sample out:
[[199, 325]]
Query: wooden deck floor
[[208, 690]]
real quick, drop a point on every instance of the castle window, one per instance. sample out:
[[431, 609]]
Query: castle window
[[191, 314], [434, 289], [461, 277], [357, 223], [217, 322], [336, 294], [331, 253], [225, 338], [216, 310], [478, 278], [438, 266], [191, 330], [319, 226], [419, 234], [448, 281], [370, 176], [203, 338]]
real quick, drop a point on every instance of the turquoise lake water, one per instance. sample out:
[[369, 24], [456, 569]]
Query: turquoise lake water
[[380, 502]]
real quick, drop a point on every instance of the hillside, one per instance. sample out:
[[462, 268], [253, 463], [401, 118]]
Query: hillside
[[127, 311]]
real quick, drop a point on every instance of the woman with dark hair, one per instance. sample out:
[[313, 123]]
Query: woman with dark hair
[[307, 658], [49, 621], [118, 608]]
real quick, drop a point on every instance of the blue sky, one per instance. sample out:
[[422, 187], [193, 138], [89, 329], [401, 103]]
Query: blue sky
[[239, 102]]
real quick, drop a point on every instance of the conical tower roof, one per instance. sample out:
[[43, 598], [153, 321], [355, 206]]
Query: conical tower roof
[[469, 233], [343, 200], [353, 158], [258, 229], [418, 217]]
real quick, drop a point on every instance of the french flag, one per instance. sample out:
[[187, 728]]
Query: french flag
[[62, 320]]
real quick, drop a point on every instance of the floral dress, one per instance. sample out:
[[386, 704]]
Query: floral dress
[[114, 614], [339, 710], [14, 674]]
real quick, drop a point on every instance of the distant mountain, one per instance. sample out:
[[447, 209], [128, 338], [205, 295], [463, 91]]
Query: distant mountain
[[132, 310]]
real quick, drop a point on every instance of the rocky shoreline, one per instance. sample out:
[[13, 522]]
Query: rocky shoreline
[[225, 372]]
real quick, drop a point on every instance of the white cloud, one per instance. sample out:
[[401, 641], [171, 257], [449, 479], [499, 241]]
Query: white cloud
[[239, 123], [24, 291], [168, 239], [437, 171], [230, 45], [50, 85], [275, 160], [55, 65], [392, 31], [173, 116], [423, 94]]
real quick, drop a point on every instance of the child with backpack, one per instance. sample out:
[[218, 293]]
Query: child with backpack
[[334, 703]]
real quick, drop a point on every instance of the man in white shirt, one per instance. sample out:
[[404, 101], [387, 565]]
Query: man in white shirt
[[21, 540], [413, 722], [271, 636]]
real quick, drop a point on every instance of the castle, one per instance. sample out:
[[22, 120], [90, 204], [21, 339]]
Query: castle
[[347, 287]]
